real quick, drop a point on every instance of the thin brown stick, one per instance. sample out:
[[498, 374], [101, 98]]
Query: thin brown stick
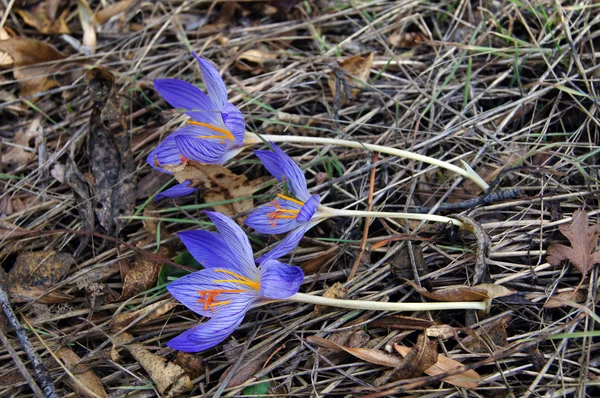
[[363, 243]]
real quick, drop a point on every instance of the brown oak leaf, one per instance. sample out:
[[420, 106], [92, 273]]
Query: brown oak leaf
[[583, 239]]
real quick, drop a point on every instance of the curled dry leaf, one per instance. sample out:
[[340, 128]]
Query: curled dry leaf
[[255, 61], [356, 69], [27, 53], [421, 356], [193, 364], [370, 355], [106, 13], [488, 337], [560, 300], [84, 382], [583, 240], [219, 184], [244, 372], [35, 272], [170, 379], [336, 291], [145, 314], [484, 291], [19, 154], [10, 231], [467, 379], [43, 23]]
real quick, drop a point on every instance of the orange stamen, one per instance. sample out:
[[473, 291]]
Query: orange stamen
[[208, 297], [225, 134], [182, 158], [280, 212]]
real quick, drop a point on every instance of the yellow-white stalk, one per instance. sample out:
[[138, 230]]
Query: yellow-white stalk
[[466, 172]]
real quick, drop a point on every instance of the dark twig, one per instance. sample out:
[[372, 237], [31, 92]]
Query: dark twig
[[41, 373]]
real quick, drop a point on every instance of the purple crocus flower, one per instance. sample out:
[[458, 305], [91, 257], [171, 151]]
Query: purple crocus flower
[[296, 214], [230, 284], [215, 132]]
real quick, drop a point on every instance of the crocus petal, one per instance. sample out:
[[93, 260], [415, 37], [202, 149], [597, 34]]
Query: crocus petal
[[293, 174], [205, 150], [209, 249], [282, 166], [234, 122], [210, 333], [309, 209], [288, 244], [167, 152], [214, 83], [176, 191], [238, 243], [279, 280], [186, 290], [270, 160], [260, 221], [180, 94]]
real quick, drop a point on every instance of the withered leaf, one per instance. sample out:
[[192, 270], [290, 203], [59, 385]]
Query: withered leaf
[[336, 291], [401, 322], [192, 363], [146, 313], [10, 231], [356, 69], [42, 22], [27, 53], [467, 379], [35, 272], [421, 356], [168, 377], [489, 336], [110, 153], [560, 300], [244, 372], [366, 354], [480, 292], [583, 240], [106, 13], [219, 184], [86, 383]]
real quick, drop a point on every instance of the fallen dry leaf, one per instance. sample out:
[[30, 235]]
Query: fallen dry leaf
[[5, 59], [87, 384], [421, 356], [110, 153], [336, 291], [583, 240], [35, 272], [255, 61], [219, 184], [42, 22], [401, 322], [560, 300], [488, 337], [27, 53], [167, 376], [192, 363], [10, 231], [21, 153], [145, 314], [106, 13], [467, 379], [356, 69], [366, 354], [350, 338], [484, 291], [313, 265]]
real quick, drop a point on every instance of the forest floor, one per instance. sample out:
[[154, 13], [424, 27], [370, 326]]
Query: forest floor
[[507, 87]]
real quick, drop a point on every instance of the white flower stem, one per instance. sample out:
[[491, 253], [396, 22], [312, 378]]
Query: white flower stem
[[467, 172], [331, 212], [381, 306]]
